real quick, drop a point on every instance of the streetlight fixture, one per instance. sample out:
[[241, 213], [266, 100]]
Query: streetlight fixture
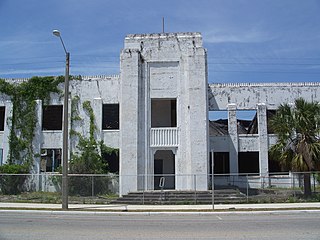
[[65, 128]]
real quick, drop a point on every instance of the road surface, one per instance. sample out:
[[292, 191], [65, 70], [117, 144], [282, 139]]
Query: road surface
[[89, 226]]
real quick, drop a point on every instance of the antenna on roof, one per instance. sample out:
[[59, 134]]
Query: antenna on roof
[[162, 24]]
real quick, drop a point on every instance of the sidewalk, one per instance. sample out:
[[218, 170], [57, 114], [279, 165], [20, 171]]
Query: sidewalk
[[162, 208]]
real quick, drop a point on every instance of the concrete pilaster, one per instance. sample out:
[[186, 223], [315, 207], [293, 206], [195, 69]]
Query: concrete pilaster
[[97, 108], [263, 140], [233, 134], [6, 132], [129, 124], [36, 143], [197, 115]]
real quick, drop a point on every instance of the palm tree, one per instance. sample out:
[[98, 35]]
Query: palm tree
[[298, 144]]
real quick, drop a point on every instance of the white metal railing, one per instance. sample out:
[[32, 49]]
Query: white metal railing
[[164, 137]]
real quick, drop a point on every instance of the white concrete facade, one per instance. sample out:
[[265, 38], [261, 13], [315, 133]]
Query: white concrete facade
[[164, 98]]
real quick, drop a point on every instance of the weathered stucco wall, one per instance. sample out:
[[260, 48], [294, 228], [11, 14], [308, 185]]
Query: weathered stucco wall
[[248, 95]]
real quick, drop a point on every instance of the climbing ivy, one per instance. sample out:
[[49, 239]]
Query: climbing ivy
[[23, 120], [91, 153]]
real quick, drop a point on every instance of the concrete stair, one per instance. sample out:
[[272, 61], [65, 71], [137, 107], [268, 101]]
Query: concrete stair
[[221, 196]]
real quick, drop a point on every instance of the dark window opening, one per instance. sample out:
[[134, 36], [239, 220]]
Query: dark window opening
[[270, 115], [248, 162], [110, 116], [112, 160], [50, 160], [221, 163], [247, 121], [1, 156], [2, 118], [163, 113], [275, 167], [52, 117]]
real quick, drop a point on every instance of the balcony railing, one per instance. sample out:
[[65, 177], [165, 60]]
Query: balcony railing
[[164, 137]]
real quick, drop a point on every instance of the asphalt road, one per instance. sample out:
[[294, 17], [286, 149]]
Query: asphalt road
[[47, 226]]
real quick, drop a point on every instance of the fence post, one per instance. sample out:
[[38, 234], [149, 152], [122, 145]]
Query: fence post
[[314, 183], [92, 186], [195, 187], [247, 189]]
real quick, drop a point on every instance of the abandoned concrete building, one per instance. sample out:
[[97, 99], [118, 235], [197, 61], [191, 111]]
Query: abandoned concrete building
[[157, 113]]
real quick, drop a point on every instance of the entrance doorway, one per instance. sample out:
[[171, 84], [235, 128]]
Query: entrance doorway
[[164, 167]]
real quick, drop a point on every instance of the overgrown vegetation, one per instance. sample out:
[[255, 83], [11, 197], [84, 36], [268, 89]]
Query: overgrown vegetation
[[23, 123], [13, 183], [24, 119], [298, 144], [89, 157]]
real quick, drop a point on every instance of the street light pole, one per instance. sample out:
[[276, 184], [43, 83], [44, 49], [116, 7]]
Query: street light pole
[[65, 128]]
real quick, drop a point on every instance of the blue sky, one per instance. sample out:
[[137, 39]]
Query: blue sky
[[246, 40]]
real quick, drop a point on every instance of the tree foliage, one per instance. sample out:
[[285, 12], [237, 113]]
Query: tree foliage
[[298, 131]]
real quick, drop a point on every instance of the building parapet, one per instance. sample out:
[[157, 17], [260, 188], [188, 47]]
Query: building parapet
[[271, 84], [85, 78]]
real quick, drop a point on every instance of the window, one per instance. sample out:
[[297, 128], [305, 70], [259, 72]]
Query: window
[[163, 113], [110, 116], [270, 115], [221, 163], [248, 162], [50, 160], [112, 159], [247, 121], [52, 117], [1, 156], [2, 119]]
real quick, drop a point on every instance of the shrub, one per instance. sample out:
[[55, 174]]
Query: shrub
[[13, 183]]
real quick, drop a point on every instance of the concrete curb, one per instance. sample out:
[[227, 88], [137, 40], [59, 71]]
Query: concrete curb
[[117, 209]]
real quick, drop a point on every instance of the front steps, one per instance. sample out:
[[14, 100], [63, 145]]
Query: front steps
[[221, 196]]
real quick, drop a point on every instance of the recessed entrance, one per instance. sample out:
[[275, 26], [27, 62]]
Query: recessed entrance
[[164, 168]]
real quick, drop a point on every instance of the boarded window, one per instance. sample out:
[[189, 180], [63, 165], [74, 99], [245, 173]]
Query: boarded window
[[110, 116], [2, 118], [52, 117]]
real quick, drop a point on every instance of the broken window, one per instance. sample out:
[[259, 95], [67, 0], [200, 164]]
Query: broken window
[[110, 116], [248, 162], [218, 123], [2, 118], [52, 117], [163, 113], [50, 160], [247, 121]]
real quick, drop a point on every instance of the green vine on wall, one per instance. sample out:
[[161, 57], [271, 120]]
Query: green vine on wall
[[91, 155], [24, 119]]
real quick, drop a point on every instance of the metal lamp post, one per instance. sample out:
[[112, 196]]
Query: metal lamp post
[[65, 127]]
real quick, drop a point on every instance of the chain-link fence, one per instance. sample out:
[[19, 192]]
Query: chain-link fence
[[154, 189]]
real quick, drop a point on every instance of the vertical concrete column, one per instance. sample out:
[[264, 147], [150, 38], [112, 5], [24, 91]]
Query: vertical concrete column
[[37, 138], [197, 115], [6, 132], [263, 141], [233, 134], [97, 108], [129, 114], [36, 144]]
